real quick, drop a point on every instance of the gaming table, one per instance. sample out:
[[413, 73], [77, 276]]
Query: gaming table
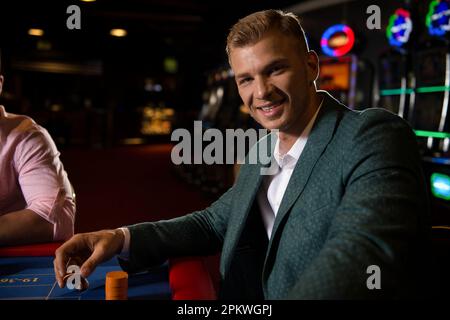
[[26, 272]]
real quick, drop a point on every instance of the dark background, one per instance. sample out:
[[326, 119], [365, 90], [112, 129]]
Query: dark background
[[111, 72], [98, 103]]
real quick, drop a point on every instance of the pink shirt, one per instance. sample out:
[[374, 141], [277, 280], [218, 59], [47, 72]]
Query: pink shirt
[[32, 176]]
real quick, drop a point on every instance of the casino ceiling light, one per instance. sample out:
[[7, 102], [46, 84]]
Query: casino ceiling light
[[35, 32], [88, 0], [118, 32]]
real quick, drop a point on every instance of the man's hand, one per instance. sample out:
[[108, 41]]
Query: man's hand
[[87, 250]]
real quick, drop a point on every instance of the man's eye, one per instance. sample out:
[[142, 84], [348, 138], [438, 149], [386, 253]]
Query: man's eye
[[276, 70], [244, 81]]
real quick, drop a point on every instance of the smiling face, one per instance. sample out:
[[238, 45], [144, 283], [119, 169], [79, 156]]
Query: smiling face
[[275, 79]]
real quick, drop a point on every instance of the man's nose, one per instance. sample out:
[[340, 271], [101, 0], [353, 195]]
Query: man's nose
[[263, 88]]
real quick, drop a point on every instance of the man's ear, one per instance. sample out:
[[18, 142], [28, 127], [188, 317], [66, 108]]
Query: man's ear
[[1, 83], [313, 65]]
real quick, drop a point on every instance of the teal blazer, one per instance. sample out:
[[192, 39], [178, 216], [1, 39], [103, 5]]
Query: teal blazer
[[356, 198]]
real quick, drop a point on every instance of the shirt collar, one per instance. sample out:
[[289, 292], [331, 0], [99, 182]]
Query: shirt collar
[[291, 157]]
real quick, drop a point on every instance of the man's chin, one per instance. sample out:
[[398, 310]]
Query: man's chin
[[271, 127]]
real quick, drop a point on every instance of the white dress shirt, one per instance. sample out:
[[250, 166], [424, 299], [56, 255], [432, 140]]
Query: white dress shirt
[[273, 187], [125, 253]]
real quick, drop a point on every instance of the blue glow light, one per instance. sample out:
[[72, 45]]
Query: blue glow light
[[399, 28], [440, 186], [438, 17]]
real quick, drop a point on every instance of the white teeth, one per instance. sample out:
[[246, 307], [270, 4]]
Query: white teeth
[[270, 107]]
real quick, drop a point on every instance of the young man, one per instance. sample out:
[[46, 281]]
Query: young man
[[36, 199], [348, 194]]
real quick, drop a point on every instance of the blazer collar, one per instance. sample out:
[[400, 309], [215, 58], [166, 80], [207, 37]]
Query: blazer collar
[[250, 181], [319, 137]]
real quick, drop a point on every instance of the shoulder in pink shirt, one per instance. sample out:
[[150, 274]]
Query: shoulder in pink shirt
[[32, 175]]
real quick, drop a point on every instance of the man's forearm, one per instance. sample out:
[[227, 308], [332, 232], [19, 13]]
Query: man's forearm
[[24, 226]]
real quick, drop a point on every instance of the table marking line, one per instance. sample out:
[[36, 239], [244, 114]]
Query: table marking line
[[51, 290], [25, 286]]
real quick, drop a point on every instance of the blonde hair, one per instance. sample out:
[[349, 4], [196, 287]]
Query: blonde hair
[[253, 27]]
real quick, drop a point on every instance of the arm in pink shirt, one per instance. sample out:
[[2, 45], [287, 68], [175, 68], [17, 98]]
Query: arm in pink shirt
[[44, 183]]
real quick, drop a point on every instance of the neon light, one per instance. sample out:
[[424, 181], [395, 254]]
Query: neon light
[[399, 91], [393, 92], [343, 49], [399, 28], [441, 160], [440, 185], [432, 89], [432, 134], [438, 17]]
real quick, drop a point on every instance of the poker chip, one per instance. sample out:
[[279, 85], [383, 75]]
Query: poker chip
[[116, 285]]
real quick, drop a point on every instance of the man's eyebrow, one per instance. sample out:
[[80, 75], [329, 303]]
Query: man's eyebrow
[[265, 69], [275, 63], [242, 75]]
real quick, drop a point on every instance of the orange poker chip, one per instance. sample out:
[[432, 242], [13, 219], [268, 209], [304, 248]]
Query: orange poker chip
[[116, 285]]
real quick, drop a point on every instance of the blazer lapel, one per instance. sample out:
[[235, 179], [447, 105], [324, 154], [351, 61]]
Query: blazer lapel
[[318, 139], [247, 188]]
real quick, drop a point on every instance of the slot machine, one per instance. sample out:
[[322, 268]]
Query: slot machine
[[220, 110], [343, 74], [429, 114], [394, 81]]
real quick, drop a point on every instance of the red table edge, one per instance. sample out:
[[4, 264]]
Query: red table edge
[[31, 250]]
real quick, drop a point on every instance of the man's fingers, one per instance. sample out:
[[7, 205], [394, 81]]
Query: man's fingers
[[59, 265], [91, 248], [97, 257], [63, 256]]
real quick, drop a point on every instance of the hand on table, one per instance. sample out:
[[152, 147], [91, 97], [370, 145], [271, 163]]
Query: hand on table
[[87, 250]]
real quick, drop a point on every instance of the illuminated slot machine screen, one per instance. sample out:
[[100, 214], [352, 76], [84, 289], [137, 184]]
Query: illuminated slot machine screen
[[334, 75], [430, 70]]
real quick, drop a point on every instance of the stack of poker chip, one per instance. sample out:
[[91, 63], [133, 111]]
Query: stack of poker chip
[[116, 285]]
